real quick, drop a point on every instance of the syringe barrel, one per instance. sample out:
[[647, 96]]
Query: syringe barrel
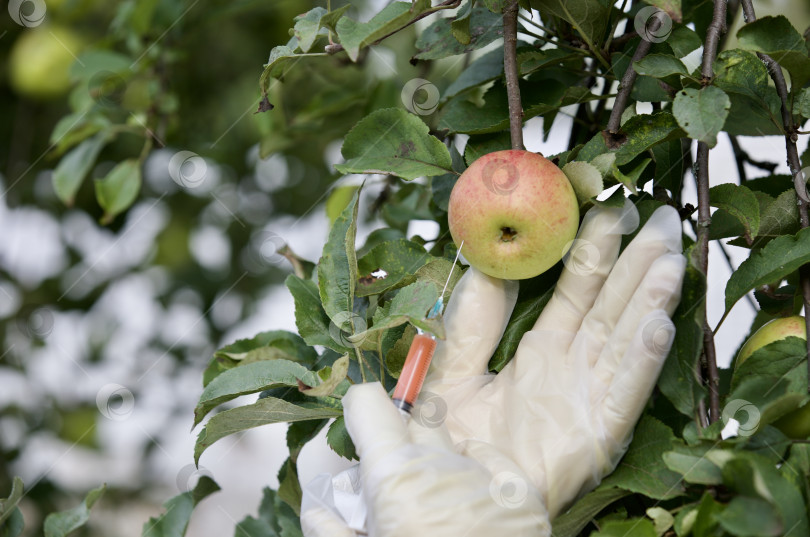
[[414, 371]]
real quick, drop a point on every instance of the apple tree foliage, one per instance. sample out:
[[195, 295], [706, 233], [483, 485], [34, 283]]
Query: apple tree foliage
[[358, 306]]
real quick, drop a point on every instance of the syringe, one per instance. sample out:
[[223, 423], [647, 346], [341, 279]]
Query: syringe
[[419, 356]]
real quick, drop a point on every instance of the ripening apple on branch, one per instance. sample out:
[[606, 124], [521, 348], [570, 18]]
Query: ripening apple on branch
[[516, 213]]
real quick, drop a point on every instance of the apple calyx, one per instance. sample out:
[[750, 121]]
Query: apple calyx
[[508, 234]]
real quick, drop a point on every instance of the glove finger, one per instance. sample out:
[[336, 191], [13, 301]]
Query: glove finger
[[660, 235], [636, 376], [321, 522], [587, 264], [659, 290], [475, 319], [373, 422]]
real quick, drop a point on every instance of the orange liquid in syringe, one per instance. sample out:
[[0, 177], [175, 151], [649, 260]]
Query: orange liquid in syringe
[[414, 371]]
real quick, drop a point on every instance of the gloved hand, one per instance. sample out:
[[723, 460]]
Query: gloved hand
[[562, 412], [413, 480], [565, 407]]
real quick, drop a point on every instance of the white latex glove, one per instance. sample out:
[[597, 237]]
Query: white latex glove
[[565, 407], [414, 482], [561, 413]]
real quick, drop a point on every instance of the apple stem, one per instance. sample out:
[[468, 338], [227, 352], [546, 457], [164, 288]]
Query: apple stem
[[510, 70], [799, 181]]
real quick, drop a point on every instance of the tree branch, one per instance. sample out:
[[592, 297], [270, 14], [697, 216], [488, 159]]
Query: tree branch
[[795, 167], [510, 71], [629, 78], [741, 156], [713, 33]]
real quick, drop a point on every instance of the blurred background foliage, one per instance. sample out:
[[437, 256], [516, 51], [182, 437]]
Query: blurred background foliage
[[109, 315]]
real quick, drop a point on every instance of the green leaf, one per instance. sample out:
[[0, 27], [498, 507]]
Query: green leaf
[[678, 380], [174, 521], [702, 113], [438, 41], [338, 199], [262, 412], [308, 27], [533, 295], [705, 520], [75, 128], [339, 440], [310, 318], [62, 523], [634, 527], [630, 179], [398, 260], [642, 469], [337, 268], [97, 60], [530, 60], [411, 303], [330, 378], [270, 345], [355, 35], [393, 141], [778, 259], [781, 217], [751, 517], [802, 104], [660, 66], [586, 16], [480, 145], [740, 202], [487, 67], [251, 378], [691, 462], [586, 180], [668, 158], [14, 525], [776, 37], [643, 132], [683, 40], [752, 475], [570, 523], [73, 168], [281, 60], [289, 488], [116, 192], [662, 519], [775, 360], [8, 505], [740, 71]]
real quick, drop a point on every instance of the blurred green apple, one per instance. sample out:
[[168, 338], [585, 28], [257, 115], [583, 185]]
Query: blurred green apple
[[795, 424], [516, 213], [40, 60]]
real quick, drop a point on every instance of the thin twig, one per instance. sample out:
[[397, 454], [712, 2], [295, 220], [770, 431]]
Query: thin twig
[[795, 167], [713, 33], [741, 156], [629, 78], [510, 71]]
